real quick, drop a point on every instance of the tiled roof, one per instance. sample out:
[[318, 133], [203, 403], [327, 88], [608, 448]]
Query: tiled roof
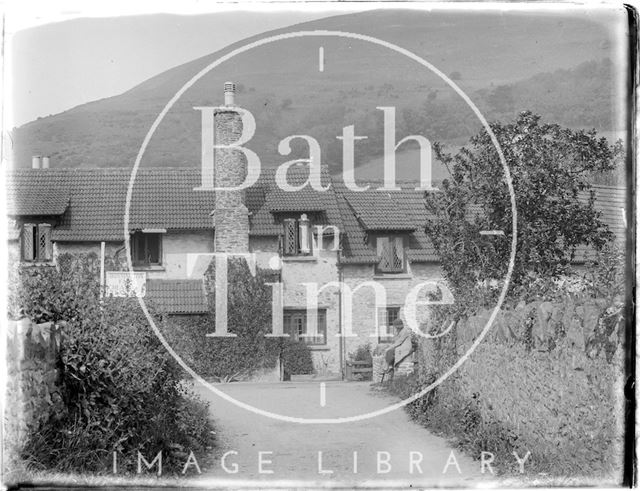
[[383, 210], [379, 211], [164, 198], [270, 200], [178, 296], [611, 203], [161, 198], [306, 199], [25, 197]]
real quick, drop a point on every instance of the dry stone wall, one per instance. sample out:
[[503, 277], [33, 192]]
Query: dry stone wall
[[32, 376]]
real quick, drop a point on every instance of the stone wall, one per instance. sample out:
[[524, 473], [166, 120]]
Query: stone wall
[[322, 268], [31, 390], [548, 373], [231, 216], [396, 287]]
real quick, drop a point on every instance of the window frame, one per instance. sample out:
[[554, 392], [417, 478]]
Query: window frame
[[291, 232], [39, 253], [392, 238], [287, 318], [389, 312], [134, 238]]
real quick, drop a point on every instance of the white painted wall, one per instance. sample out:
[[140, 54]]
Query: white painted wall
[[175, 247]]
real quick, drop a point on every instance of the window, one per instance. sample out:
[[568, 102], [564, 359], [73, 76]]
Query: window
[[36, 242], [295, 325], [386, 317], [391, 254], [146, 249], [297, 236]]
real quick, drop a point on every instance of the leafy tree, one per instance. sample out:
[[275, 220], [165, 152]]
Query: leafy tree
[[550, 168]]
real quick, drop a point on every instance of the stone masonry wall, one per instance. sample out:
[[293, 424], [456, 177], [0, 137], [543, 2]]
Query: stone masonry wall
[[549, 373], [231, 217], [396, 287], [322, 268], [31, 391]]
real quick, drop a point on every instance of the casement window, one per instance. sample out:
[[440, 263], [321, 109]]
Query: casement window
[[386, 317], [391, 254], [146, 249], [297, 236], [295, 325], [36, 242]]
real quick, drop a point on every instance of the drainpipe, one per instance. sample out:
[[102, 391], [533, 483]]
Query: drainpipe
[[341, 338], [102, 289]]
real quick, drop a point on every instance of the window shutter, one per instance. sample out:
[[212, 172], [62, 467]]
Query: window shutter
[[44, 242], [382, 250], [305, 234], [290, 236], [381, 246], [27, 242], [398, 256]]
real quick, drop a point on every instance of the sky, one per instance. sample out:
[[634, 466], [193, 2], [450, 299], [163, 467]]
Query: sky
[[62, 58]]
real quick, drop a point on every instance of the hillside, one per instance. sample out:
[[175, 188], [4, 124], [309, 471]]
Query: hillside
[[505, 63]]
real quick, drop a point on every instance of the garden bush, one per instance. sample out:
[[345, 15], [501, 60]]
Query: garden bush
[[296, 357], [362, 353], [121, 390]]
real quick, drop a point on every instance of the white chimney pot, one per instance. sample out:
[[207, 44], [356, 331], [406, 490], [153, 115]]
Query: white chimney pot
[[46, 161], [229, 94], [35, 161]]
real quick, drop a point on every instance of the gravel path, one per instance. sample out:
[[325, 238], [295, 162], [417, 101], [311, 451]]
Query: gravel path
[[392, 439]]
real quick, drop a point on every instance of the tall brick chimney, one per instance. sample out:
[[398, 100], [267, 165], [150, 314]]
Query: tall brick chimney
[[230, 217]]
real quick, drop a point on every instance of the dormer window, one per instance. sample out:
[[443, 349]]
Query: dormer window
[[297, 236], [391, 254]]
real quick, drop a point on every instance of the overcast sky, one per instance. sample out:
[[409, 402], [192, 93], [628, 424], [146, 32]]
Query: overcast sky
[[59, 65]]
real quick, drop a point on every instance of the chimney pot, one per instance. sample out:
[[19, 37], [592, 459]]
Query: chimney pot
[[229, 94], [46, 161], [35, 161]]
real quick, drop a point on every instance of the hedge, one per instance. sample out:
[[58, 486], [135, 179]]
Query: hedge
[[121, 389]]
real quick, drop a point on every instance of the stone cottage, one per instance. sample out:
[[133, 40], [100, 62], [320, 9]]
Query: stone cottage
[[365, 251]]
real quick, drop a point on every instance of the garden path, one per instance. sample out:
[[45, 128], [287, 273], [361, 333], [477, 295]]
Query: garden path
[[295, 447]]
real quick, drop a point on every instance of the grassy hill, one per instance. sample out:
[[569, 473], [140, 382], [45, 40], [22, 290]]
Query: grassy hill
[[506, 63]]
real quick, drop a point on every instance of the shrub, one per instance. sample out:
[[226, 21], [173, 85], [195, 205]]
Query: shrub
[[249, 318], [296, 357], [362, 353], [121, 390]]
